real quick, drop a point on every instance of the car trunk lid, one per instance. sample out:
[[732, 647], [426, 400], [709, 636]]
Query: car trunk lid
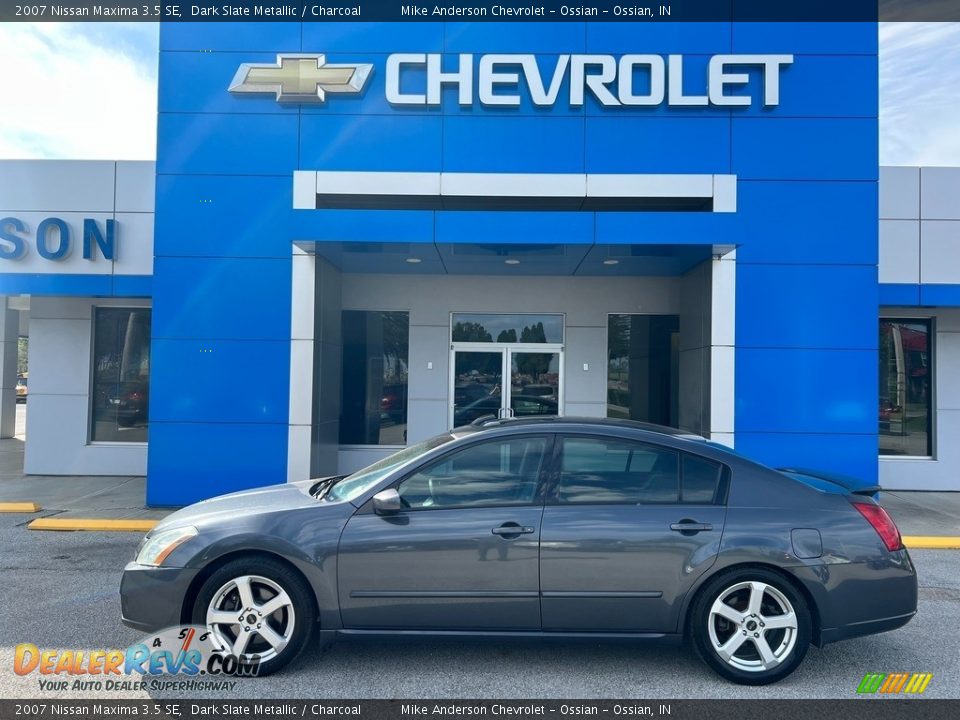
[[831, 482]]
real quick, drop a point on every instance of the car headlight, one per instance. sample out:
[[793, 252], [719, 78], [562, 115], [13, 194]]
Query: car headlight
[[156, 548]]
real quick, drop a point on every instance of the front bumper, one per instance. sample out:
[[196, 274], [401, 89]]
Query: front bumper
[[152, 598]]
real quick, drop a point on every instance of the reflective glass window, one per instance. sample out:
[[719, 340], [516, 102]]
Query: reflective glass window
[[906, 391], [517, 328], [494, 473], [121, 375], [643, 368], [701, 480], [608, 470], [373, 408]]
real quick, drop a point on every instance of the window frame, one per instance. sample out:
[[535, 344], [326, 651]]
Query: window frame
[[931, 322], [553, 478], [92, 376]]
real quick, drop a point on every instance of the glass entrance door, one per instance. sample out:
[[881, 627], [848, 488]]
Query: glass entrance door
[[534, 382], [532, 387], [477, 384]]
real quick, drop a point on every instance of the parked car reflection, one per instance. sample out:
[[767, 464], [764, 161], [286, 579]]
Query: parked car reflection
[[129, 401], [522, 405]]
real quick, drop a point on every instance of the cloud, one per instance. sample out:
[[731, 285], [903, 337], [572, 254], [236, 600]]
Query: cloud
[[920, 93], [79, 90]]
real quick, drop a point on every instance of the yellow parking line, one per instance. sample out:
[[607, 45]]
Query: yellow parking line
[[19, 507], [54, 523], [932, 542]]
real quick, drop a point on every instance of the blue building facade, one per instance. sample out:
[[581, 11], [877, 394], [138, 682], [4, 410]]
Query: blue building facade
[[773, 276], [804, 228]]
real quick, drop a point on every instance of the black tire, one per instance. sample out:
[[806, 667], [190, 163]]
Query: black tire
[[302, 608], [746, 665]]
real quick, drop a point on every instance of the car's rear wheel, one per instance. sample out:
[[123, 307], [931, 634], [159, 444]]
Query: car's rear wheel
[[751, 626], [257, 608]]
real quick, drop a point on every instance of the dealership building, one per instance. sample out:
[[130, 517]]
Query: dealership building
[[358, 235]]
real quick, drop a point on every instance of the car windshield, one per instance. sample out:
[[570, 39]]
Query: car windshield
[[355, 485]]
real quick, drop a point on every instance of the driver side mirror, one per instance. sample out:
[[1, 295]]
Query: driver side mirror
[[387, 502]]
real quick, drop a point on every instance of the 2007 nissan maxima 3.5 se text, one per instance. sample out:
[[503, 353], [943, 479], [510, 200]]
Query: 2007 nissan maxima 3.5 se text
[[550, 526]]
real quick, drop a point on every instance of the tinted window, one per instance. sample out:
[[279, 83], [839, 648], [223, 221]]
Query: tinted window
[[906, 393], [604, 470], [643, 368], [362, 480], [500, 472], [373, 403], [121, 375], [701, 477], [476, 327]]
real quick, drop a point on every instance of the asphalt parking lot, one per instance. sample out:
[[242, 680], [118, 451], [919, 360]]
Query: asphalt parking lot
[[59, 590]]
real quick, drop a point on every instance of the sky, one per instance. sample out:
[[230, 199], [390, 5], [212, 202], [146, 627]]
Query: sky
[[88, 91]]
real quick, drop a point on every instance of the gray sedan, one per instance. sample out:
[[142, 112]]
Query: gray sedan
[[541, 526]]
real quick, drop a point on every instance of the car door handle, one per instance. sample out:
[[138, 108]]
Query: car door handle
[[690, 527], [512, 529]]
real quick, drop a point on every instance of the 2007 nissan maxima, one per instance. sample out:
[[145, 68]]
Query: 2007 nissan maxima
[[551, 526]]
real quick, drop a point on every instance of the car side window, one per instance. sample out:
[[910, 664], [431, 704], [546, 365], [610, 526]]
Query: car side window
[[610, 470], [487, 474], [701, 480]]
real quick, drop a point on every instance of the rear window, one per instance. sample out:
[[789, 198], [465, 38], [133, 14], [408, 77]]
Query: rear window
[[701, 480]]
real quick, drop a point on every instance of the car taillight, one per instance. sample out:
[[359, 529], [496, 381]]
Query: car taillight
[[882, 523]]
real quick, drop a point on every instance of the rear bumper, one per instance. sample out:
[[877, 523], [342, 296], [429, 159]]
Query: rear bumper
[[868, 627], [861, 598], [152, 598]]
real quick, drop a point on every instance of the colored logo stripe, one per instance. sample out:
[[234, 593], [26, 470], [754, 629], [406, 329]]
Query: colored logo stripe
[[894, 683], [918, 683], [871, 682]]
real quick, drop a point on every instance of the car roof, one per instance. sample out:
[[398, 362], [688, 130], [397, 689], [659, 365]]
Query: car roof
[[544, 421]]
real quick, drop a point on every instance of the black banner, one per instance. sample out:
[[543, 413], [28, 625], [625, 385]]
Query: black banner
[[479, 10], [734, 709]]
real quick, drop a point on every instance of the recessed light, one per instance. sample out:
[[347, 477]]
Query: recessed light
[[611, 262], [414, 261], [511, 261]]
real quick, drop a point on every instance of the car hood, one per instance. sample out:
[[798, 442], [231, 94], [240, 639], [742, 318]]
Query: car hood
[[259, 501]]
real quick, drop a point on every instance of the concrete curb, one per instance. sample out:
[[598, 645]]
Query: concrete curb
[[91, 524], [931, 542], [19, 507]]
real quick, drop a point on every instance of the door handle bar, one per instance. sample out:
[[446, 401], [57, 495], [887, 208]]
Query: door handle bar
[[690, 526], [512, 530]]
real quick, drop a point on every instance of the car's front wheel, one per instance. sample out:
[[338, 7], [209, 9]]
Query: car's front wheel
[[257, 608], [751, 626]]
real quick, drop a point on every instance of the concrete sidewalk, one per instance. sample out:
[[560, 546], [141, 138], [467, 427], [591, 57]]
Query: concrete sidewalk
[[924, 513], [74, 496], [921, 514]]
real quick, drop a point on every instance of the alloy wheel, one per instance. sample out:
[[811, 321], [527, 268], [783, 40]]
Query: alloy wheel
[[251, 615], [752, 626]]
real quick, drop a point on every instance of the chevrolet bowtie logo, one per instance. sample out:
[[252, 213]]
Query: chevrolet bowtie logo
[[299, 78]]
